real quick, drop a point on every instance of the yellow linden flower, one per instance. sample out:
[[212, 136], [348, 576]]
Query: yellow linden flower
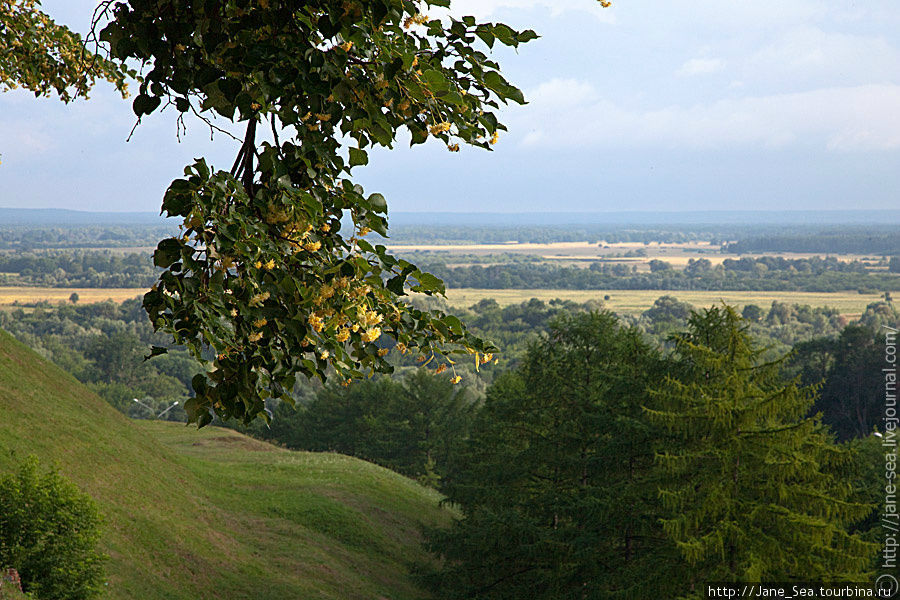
[[312, 246], [370, 335], [342, 336], [316, 322], [255, 337], [441, 368], [270, 264], [364, 232], [258, 264], [323, 117], [346, 46], [453, 147], [401, 347], [259, 323], [370, 317], [325, 354], [325, 227], [383, 352], [259, 299], [495, 137], [440, 128], [421, 358], [234, 312], [487, 358], [455, 380], [346, 383]]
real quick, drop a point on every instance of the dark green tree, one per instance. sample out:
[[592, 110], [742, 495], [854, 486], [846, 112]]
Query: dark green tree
[[556, 483], [752, 313], [848, 367], [49, 531], [411, 425], [752, 490]]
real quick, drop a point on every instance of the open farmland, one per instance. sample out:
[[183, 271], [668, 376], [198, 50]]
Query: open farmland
[[584, 253], [27, 295], [636, 301]]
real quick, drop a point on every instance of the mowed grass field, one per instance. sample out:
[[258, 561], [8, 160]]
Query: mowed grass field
[[637, 301], [22, 295]]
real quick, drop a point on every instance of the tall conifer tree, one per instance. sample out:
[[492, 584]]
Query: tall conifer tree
[[751, 490]]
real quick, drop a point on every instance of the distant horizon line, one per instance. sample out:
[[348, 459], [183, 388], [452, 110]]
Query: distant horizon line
[[884, 216]]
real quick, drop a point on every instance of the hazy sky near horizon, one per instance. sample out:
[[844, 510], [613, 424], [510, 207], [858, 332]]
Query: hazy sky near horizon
[[694, 105]]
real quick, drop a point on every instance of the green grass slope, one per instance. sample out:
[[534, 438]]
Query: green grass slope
[[213, 514]]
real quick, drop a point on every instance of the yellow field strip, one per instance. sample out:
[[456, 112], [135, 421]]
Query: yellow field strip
[[621, 301], [8, 295], [636, 301]]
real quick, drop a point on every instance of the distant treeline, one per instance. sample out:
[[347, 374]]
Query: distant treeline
[[760, 274], [99, 269], [843, 241], [29, 237], [555, 233], [78, 268]]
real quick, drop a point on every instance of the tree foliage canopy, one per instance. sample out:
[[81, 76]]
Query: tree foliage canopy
[[43, 57], [263, 278], [752, 489], [49, 530], [556, 483]]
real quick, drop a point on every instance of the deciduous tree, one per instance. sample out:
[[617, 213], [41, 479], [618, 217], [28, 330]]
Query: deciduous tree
[[262, 276], [43, 57]]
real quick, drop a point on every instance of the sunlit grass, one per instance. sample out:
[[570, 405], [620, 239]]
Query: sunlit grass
[[211, 513]]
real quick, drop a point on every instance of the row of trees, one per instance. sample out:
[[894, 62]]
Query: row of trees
[[699, 275], [601, 468], [79, 268], [872, 239], [103, 345]]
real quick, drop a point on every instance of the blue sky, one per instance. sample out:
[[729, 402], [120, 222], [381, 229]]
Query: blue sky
[[691, 105]]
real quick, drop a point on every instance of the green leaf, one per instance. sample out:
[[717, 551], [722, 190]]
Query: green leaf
[[167, 252], [378, 203], [486, 35], [144, 104], [430, 283], [156, 351], [358, 157]]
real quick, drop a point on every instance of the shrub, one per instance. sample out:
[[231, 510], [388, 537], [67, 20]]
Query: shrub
[[48, 532]]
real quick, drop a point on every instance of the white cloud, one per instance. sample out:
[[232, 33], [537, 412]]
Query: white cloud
[[701, 66], [811, 53], [573, 114]]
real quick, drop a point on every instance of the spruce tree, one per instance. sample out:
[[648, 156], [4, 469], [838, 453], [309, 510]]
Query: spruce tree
[[752, 491]]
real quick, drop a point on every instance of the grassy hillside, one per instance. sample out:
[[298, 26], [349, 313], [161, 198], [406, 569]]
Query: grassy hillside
[[213, 514]]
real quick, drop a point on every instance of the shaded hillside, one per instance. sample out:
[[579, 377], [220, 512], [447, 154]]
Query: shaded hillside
[[214, 514]]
